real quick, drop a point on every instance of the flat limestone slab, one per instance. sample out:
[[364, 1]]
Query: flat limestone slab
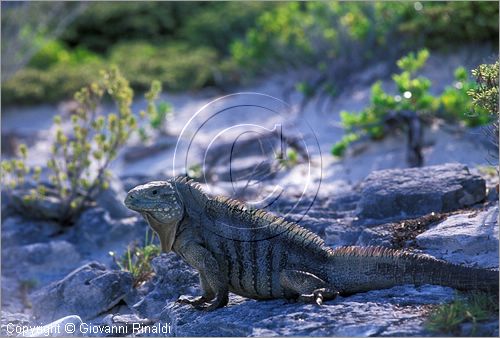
[[406, 193]]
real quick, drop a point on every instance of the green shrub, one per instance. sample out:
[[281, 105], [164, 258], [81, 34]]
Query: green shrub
[[207, 28], [313, 31], [104, 24], [80, 157], [197, 23], [177, 66], [60, 81], [441, 23], [485, 95], [54, 52], [458, 105], [413, 96], [338, 38]]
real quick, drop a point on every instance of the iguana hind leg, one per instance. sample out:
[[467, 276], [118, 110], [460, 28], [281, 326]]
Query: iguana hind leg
[[306, 286]]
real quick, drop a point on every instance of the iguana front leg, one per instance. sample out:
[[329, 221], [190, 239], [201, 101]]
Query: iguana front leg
[[208, 294], [213, 281], [306, 286]]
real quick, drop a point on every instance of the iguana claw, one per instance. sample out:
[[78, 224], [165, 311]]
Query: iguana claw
[[196, 301]]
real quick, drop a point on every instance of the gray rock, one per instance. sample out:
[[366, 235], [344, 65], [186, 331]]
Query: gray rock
[[96, 233], [380, 235], [405, 193], [470, 238], [64, 327], [11, 295], [141, 151], [19, 231], [248, 169], [43, 262], [395, 311], [88, 291], [173, 278], [112, 199], [483, 329], [48, 207]]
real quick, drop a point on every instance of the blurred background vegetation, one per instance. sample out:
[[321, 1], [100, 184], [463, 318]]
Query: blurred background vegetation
[[192, 45]]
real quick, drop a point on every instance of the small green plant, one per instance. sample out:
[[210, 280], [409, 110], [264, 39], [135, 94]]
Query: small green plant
[[137, 260], [290, 159], [474, 308], [80, 156], [195, 171], [25, 287], [488, 170], [156, 113]]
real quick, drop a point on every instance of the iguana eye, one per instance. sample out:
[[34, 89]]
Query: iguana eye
[[154, 192]]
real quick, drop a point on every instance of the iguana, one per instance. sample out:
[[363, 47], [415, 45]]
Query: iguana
[[257, 255]]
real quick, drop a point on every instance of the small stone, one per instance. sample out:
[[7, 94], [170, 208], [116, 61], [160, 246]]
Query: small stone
[[87, 291]]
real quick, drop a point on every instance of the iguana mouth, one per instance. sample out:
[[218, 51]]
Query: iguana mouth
[[155, 209]]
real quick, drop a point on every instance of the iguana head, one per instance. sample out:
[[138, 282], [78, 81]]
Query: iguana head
[[159, 203]]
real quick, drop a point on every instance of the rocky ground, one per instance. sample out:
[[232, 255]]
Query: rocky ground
[[58, 276], [466, 234]]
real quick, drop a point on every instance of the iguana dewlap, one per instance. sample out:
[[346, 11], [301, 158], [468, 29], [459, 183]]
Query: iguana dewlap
[[257, 255]]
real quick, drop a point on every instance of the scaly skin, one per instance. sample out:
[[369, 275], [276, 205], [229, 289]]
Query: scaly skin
[[257, 255]]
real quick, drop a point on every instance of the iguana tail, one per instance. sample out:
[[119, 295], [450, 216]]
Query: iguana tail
[[357, 269]]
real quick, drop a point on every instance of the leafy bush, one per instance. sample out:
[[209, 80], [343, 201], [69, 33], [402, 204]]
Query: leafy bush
[[458, 105], [206, 28], [54, 52], [310, 31], [439, 23], [60, 81], [332, 38], [80, 157], [336, 39], [371, 121], [177, 66], [485, 95], [104, 24], [413, 98]]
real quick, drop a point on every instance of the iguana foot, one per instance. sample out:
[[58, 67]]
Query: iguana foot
[[319, 295], [217, 303]]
